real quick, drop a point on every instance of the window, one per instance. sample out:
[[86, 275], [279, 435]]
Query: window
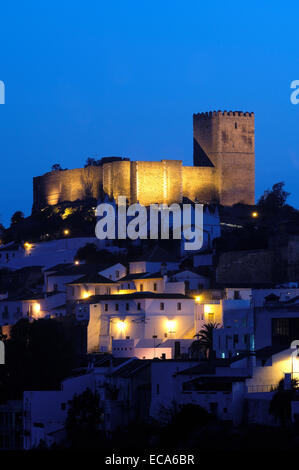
[[155, 286], [117, 274], [141, 287], [158, 389], [162, 306], [116, 307], [237, 295], [179, 306], [128, 286], [106, 307], [236, 125], [138, 306], [5, 312], [97, 290], [211, 317], [108, 290], [127, 306], [236, 339]]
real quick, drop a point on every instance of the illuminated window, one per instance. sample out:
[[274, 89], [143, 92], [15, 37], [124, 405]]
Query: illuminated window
[[211, 317]]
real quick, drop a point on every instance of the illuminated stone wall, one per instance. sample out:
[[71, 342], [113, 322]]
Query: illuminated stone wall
[[68, 185], [116, 179], [223, 170], [199, 183], [156, 182]]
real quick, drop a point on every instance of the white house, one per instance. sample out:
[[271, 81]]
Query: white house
[[31, 305], [45, 412], [46, 253], [137, 316]]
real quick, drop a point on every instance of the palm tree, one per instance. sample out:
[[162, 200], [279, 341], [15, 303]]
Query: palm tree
[[205, 338]]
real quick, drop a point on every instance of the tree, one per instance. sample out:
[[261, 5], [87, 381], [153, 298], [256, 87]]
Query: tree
[[205, 338], [280, 405], [275, 199], [83, 420], [196, 349], [87, 253], [91, 162], [17, 217], [56, 167], [39, 355]]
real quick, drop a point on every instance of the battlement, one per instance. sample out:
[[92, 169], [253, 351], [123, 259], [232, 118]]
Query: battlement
[[209, 114]]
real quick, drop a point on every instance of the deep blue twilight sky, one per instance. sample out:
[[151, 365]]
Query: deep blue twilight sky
[[98, 78]]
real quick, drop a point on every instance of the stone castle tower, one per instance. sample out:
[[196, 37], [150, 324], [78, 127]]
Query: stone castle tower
[[225, 141], [223, 170]]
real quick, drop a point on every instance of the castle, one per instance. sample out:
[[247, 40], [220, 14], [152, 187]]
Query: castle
[[223, 171]]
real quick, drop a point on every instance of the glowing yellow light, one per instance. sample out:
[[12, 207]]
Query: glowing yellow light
[[121, 325], [66, 231], [68, 211], [36, 308], [170, 324], [76, 262], [27, 246], [208, 309], [198, 298], [254, 214], [85, 295]]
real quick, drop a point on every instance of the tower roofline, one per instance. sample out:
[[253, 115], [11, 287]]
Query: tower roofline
[[223, 113]]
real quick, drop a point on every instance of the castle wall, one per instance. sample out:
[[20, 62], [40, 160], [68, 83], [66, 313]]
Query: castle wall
[[68, 185], [199, 183], [223, 171], [156, 182], [116, 179]]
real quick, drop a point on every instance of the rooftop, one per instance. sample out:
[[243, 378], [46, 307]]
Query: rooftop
[[135, 295]]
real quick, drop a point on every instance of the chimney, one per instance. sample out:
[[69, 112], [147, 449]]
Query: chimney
[[163, 269], [251, 362]]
